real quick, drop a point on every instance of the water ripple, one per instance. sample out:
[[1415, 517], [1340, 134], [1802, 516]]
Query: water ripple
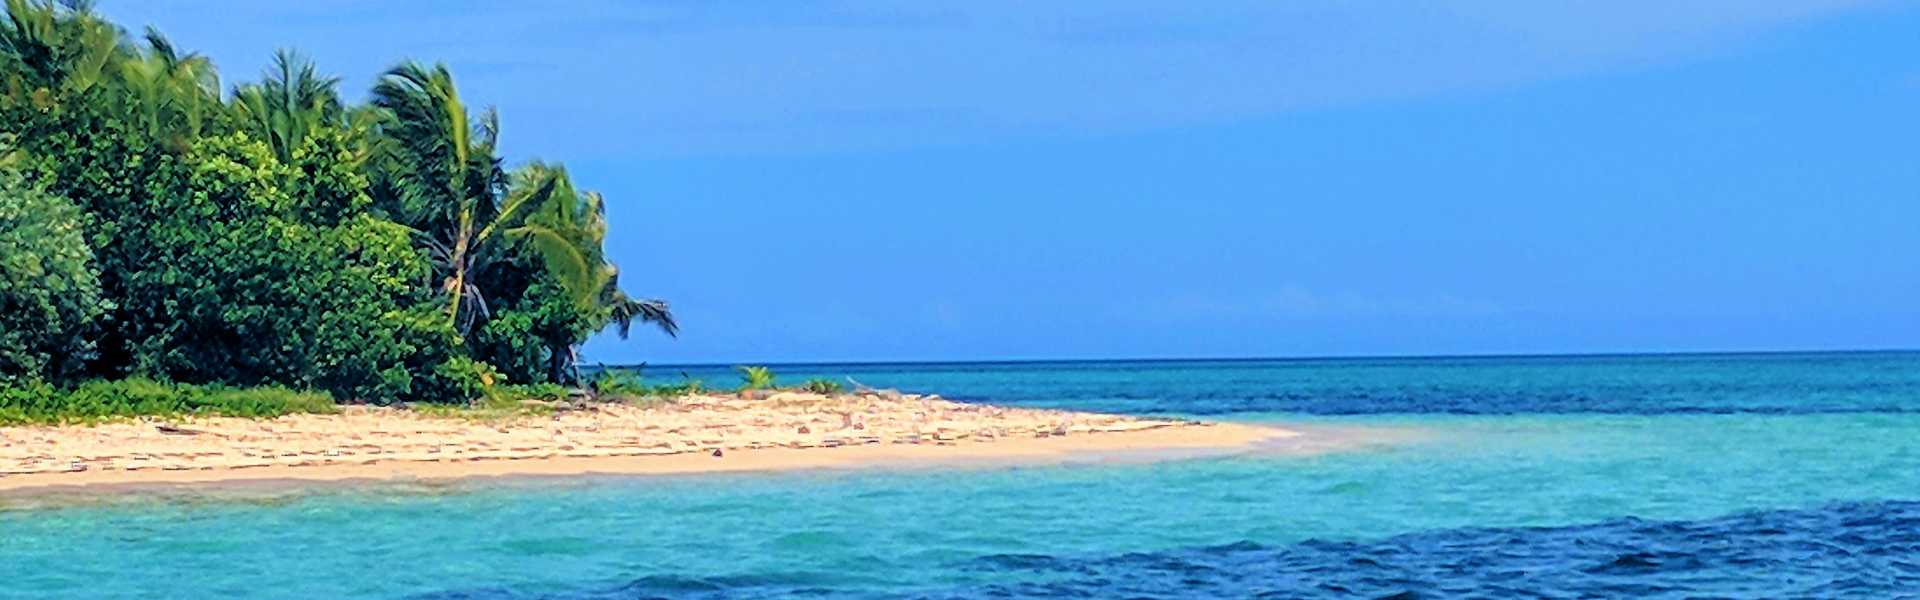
[[1856, 549], [1843, 550]]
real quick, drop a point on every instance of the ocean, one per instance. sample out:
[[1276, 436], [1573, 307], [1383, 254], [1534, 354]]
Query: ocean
[[1738, 475]]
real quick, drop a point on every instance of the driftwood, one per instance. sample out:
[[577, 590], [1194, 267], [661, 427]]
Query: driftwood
[[864, 389], [859, 388], [172, 430]]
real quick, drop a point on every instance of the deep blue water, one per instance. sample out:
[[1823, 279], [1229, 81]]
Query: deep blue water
[[1865, 550], [1780, 475]]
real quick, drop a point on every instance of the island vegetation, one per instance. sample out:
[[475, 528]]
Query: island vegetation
[[171, 243]]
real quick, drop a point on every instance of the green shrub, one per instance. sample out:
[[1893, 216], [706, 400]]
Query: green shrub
[[675, 390], [222, 276], [458, 380], [508, 342], [757, 378], [49, 292], [822, 386], [618, 384]]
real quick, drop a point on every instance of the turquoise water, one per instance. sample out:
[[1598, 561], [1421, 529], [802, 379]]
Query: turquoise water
[[1755, 475]]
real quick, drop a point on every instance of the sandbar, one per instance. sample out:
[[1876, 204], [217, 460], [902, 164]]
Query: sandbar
[[696, 434]]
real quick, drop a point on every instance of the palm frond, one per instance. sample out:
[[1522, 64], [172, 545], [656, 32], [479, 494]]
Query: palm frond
[[562, 258], [627, 311]]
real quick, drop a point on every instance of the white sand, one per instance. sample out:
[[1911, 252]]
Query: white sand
[[785, 431]]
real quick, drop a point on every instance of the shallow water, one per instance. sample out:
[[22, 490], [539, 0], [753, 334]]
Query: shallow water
[[1715, 475]]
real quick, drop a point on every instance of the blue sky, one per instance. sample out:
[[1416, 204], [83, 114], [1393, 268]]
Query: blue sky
[[816, 181]]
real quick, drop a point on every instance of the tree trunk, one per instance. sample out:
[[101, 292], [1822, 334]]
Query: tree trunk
[[458, 288], [573, 364], [459, 259], [557, 364], [455, 290]]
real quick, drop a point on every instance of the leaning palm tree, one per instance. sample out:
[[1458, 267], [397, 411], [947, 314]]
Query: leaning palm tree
[[471, 216], [440, 164], [568, 231]]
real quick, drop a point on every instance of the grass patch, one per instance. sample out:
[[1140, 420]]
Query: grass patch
[[501, 402], [96, 401], [626, 385]]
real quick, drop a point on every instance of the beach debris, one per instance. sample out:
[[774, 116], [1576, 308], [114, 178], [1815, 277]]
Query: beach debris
[[803, 430], [717, 453], [862, 389], [173, 430]]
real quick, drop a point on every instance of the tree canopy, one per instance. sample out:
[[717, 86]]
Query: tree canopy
[[154, 224]]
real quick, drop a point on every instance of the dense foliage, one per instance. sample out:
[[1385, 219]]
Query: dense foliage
[[154, 225], [49, 296]]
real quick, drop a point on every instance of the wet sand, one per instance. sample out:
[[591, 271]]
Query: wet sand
[[694, 435]]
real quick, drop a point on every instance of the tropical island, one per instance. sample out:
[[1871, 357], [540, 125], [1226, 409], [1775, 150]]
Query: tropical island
[[203, 276]]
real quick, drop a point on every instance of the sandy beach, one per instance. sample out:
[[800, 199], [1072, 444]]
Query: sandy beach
[[695, 434]]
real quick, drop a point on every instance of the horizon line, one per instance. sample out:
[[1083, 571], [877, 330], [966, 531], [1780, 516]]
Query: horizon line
[[1297, 358]]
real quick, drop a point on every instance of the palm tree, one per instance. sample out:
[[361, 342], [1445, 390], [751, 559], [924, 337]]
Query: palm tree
[[568, 230], [441, 165], [290, 104], [167, 91], [472, 216], [48, 51]]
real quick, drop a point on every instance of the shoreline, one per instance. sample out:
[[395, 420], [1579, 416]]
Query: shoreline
[[1197, 440], [783, 432]]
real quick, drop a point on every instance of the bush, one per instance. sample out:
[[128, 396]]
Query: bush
[[827, 387], [618, 384], [49, 292], [508, 342], [458, 380], [97, 400], [757, 378], [223, 278], [535, 322]]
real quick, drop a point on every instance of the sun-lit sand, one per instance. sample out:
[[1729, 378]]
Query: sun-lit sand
[[696, 434]]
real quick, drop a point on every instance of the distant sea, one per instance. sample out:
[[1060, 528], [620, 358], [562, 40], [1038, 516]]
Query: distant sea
[[1738, 475]]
